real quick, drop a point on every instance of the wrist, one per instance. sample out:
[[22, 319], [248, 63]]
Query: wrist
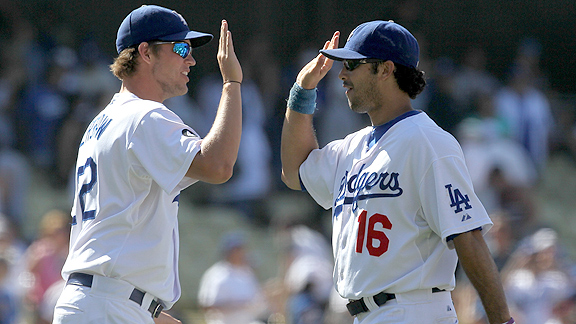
[[302, 100], [510, 321]]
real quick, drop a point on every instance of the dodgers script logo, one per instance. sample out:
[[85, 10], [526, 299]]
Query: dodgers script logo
[[364, 185]]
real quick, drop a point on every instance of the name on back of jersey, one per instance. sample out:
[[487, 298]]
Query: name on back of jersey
[[96, 128]]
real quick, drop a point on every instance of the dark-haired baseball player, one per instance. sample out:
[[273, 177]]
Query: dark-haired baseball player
[[403, 207]]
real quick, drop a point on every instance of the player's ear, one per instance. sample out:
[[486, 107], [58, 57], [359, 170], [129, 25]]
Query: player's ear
[[386, 69], [145, 51]]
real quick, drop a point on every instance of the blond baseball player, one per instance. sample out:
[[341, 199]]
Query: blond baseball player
[[403, 207], [134, 159]]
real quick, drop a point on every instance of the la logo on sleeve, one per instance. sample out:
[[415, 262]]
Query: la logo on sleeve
[[457, 199]]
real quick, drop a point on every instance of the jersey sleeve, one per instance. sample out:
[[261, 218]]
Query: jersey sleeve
[[318, 173], [165, 147], [449, 202]]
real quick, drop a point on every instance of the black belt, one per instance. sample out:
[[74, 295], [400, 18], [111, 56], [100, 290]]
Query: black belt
[[137, 295], [356, 307]]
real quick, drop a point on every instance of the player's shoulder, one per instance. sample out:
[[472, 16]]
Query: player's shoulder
[[421, 131], [357, 136], [350, 142], [129, 106]]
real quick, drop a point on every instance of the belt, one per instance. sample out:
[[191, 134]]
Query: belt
[[358, 306], [137, 295]]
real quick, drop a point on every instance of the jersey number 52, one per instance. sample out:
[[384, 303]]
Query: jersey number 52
[[376, 240]]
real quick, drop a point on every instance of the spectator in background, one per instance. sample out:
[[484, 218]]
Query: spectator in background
[[14, 169], [501, 239], [250, 185], [530, 52], [564, 312], [309, 276], [8, 302], [45, 312], [535, 278], [441, 106], [14, 183], [305, 267], [43, 108], [45, 256], [526, 111], [503, 174], [69, 135], [90, 86], [12, 249], [229, 291], [472, 80]]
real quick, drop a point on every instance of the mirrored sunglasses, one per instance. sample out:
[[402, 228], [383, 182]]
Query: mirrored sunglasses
[[181, 48]]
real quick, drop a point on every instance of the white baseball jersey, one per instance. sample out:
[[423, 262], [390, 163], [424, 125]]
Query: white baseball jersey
[[234, 291], [130, 170], [397, 192]]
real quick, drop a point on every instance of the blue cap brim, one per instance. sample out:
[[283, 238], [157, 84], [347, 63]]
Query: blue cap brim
[[340, 54], [197, 39]]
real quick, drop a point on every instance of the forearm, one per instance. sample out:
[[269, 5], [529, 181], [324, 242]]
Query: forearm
[[298, 140], [223, 139], [219, 149], [480, 268]]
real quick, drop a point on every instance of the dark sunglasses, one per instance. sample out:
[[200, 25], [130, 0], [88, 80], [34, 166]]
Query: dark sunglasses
[[181, 48], [353, 64]]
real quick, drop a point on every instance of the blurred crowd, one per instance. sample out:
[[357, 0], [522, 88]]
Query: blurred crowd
[[508, 126]]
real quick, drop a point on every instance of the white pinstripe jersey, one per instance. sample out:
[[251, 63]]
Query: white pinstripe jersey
[[397, 192]]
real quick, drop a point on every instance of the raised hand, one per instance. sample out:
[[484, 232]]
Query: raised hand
[[316, 69], [229, 64]]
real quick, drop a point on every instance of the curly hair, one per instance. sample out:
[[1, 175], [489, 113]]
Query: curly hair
[[410, 80]]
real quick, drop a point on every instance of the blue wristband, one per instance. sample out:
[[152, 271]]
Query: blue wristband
[[302, 100]]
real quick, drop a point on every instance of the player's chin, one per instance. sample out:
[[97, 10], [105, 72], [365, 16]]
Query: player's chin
[[181, 90]]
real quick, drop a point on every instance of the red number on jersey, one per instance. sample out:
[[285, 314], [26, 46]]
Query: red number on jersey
[[374, 235]]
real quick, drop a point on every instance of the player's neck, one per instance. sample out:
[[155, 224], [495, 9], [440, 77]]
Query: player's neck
[[388, 111], [141, 90]]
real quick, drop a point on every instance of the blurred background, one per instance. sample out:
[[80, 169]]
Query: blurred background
[[500, 78]]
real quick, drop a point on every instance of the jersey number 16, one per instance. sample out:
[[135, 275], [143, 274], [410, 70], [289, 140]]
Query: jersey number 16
[[372, 235]]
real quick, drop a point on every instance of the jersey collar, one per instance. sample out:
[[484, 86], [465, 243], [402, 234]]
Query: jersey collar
[[379, 131]]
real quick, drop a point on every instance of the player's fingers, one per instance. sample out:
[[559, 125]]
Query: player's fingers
[[335, 40], [223, 35], [229, 43], [321, 59]]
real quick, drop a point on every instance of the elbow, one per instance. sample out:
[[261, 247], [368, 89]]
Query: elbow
[[291, 182], [213, 170], [221, 174]]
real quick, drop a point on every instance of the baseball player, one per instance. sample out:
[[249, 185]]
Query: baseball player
[[134, 159], [400, 193]]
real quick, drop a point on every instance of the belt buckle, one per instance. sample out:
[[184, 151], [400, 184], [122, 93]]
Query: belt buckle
[[155, 309]]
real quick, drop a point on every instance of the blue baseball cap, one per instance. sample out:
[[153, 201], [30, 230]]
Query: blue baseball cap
[[151, 22], [384, 40], [231, 241]]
